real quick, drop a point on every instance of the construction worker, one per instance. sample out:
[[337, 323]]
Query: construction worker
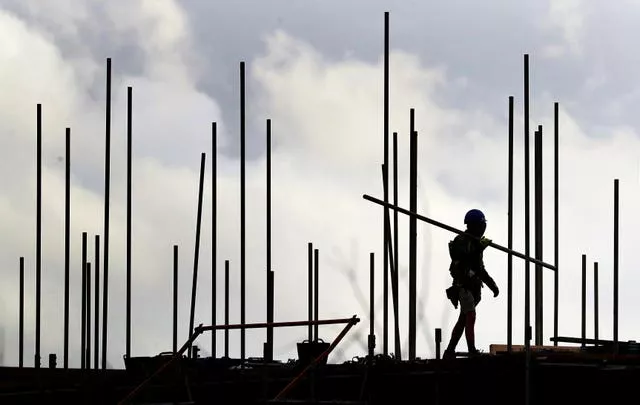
[[469, 275]]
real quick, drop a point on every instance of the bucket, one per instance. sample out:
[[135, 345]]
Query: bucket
[[309, 351]]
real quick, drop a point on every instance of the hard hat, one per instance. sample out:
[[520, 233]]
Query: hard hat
[[474, 216]]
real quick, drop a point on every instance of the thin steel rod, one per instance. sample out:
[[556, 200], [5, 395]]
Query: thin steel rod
[[394, 279], [96, 266], [527, 232], [83, 328], [385, 259], [107, 188], [285, 324], [438, 341], [175, 299], [584, 300], [214, 233], [226, 308], [372, 333], [556, 278], [67, 244], [310, 289], [510, 235], [538, 234], [595, 302], [396, 246], [88, 332], [38, 231], [616, 215], [413, 206], [242, 212], [21, 321], [316, 294], [196, 253], [457, 231], [270, 275], [129, 168]]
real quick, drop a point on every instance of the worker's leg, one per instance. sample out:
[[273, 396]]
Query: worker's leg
[[470, 321], [467, 304]]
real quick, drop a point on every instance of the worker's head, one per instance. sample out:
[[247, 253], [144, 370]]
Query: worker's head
[[476, 222]]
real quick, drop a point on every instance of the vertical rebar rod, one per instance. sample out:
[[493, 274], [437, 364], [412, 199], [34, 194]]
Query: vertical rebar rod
[[270, 286], [510, 234], [438, 341], [527, 267], [196, 253], [38, 230], [214, 235], [584, 300], [21, 320], [316, 294], [556, 277], [385, 256], [88, 332], [83, 327], [96, 266], [67, 244], [226, 308], [107, 188], [396, 247], [616, 215], [310, 289], [372, 276], [129, 128], [175, 299], [393, 272], [413, 203], [595, 302], [538, 234], [242, 213]]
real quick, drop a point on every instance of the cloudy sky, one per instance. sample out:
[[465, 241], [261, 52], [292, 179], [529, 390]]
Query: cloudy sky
[[316, 71]]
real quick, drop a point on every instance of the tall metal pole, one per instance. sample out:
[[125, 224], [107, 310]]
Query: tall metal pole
[[584, 300], [396, 247], [538, 233], [616, 212], [196, 254], [556, 277], [175, 299], [38, 229], [385, 256], [242, 212], [129, 127], [595, 302], [527, 266], [510, 235], [316, 285], [214, 234], [83, 328], [270, 286], [107, 182], [226, 308], [21, 321], [96, 265], [88, 332], [413, 206], [372, 276], [67, 244], [310, 289]]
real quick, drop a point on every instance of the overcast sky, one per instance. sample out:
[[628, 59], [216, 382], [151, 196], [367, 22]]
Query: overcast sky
[[316, 71]]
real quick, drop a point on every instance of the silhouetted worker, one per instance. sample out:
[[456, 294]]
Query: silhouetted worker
[[469, 275]]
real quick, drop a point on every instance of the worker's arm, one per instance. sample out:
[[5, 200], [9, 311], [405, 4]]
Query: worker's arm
[[486, 278]]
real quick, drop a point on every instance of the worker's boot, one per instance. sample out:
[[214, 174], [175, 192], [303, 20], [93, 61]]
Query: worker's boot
[[456, 334]]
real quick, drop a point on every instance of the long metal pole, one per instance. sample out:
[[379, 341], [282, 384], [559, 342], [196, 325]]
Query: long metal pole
[[584, 300], [616, 212], [310, 289], [226, 308], [242, 212], [385, 258], [393, 271], [107, 183], [457, 231], [413, 203], [316, 294], [96, 265], [510, 234], [556, 277], [538, 234], [83, 328], [21, 321], [396, 246], [38, 229], [595, 301], [88, 332], [67, 244], [372, 276], [527, 267], [175, 299], [214, 234], [196, 253], [129, 128], [270, 285]]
